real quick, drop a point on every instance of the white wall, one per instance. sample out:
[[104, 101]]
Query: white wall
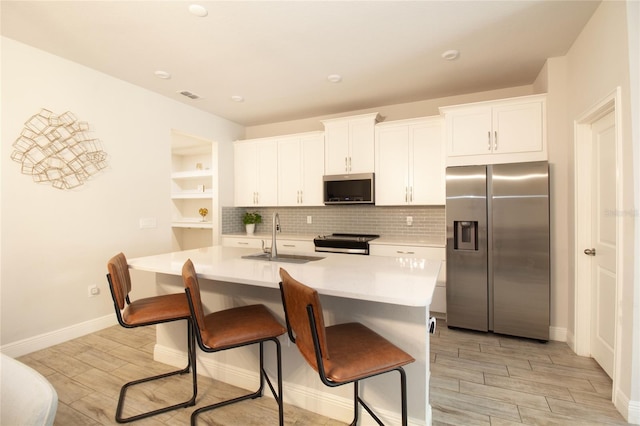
[[423, 108], [56, 243], [597, 63]]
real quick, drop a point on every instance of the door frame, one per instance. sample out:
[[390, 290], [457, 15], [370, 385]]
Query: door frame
[[583, 234]]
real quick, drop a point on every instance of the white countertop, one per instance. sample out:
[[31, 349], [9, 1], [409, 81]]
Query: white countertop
[[401, 281]]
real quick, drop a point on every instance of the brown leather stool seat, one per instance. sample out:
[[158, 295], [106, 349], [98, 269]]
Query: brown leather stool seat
[[149, 311], [233, 328], [342, 353]]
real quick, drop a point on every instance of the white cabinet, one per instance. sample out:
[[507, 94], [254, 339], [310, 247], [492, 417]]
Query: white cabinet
[[511, 130], [256, 172], [412, 254], [285, 245], [300, 169], [245, 242], [349, 144], [194, 182], [410, 163]]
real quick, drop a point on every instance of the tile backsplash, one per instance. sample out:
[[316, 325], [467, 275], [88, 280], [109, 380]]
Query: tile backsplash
[[428, 221]]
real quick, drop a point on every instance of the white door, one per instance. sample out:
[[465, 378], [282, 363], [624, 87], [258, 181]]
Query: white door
[[603, 250]]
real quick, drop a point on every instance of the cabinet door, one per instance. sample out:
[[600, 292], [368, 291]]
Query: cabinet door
[[392, 150], [361, 150], [427, 164], [336, 147], [245, 174], [312, 154], [267, 176], [518, 128], [469, 131], [289, 172]]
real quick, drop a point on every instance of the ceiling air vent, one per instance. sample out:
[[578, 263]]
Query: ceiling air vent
[[189, 94]]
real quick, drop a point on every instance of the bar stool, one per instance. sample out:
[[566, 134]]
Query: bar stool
[[149, 311], [342, 353], [234, 328]]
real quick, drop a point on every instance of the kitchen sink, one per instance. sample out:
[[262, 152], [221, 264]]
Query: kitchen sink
[[288, 258]]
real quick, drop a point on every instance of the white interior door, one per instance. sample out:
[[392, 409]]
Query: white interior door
[[603, 249]]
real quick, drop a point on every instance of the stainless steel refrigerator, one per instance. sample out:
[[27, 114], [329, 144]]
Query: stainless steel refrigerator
[[498, 248]]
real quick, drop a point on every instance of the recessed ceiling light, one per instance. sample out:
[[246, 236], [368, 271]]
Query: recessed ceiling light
[[237, 98], [334, 78], [450, 55], [162, 74], [198, 10]]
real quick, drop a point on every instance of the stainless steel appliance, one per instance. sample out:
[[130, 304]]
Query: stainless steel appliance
[[357, 188], [344, 243], [498, 248]]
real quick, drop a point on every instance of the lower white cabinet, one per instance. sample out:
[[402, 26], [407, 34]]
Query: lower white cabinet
[[245, 242], [284, 245], [439, 301]]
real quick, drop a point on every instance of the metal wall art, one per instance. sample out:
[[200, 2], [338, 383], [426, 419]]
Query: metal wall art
[[56, 149]]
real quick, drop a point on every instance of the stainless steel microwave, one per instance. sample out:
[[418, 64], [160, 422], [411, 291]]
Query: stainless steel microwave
[[357, 188]]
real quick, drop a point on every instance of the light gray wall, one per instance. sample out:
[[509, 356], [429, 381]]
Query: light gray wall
[[598, 63], [56, 243]]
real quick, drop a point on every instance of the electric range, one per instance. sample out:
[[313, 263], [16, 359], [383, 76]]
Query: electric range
[[344, 243]]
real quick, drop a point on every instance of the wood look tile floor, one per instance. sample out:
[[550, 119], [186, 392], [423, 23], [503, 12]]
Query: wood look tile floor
[[477, 379], [488, 379]]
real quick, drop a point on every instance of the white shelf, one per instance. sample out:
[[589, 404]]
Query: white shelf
[[192, 223], [191, 174], [186, 195]]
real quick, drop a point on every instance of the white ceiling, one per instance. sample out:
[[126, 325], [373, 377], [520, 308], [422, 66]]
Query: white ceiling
[[278, 54]]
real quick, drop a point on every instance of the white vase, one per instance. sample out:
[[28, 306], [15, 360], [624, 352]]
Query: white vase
[[251, 227]]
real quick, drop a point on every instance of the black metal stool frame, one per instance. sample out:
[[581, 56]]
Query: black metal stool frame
[[191, 366], [356, 396], [263, 373]]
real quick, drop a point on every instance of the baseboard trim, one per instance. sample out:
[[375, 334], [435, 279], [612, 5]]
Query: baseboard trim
[[323, 403], [42, 341], [630, 408], [558, 334]]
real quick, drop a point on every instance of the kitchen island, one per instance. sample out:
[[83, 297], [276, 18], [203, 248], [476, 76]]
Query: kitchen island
[[389, 295]]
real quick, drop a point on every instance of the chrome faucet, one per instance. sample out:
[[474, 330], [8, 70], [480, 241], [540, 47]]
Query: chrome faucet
[[275, 227]]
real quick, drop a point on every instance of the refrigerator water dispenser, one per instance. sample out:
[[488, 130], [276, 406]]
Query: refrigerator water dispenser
[[465, 235]]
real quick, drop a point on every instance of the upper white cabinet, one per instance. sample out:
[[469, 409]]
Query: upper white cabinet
[[505, 131], [410, 164], [300, 169], [194, 181], [256, 172], [349, 144]]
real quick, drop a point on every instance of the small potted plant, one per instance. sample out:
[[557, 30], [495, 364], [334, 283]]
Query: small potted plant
[[250, 219]]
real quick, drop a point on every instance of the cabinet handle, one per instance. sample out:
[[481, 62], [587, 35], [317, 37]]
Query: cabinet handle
[[349, 164], [411, 194], [243, 243], [346, 164], [405, 252], [495, 140], [489, 141], [289, 245], [406, 194], [301, 198]]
